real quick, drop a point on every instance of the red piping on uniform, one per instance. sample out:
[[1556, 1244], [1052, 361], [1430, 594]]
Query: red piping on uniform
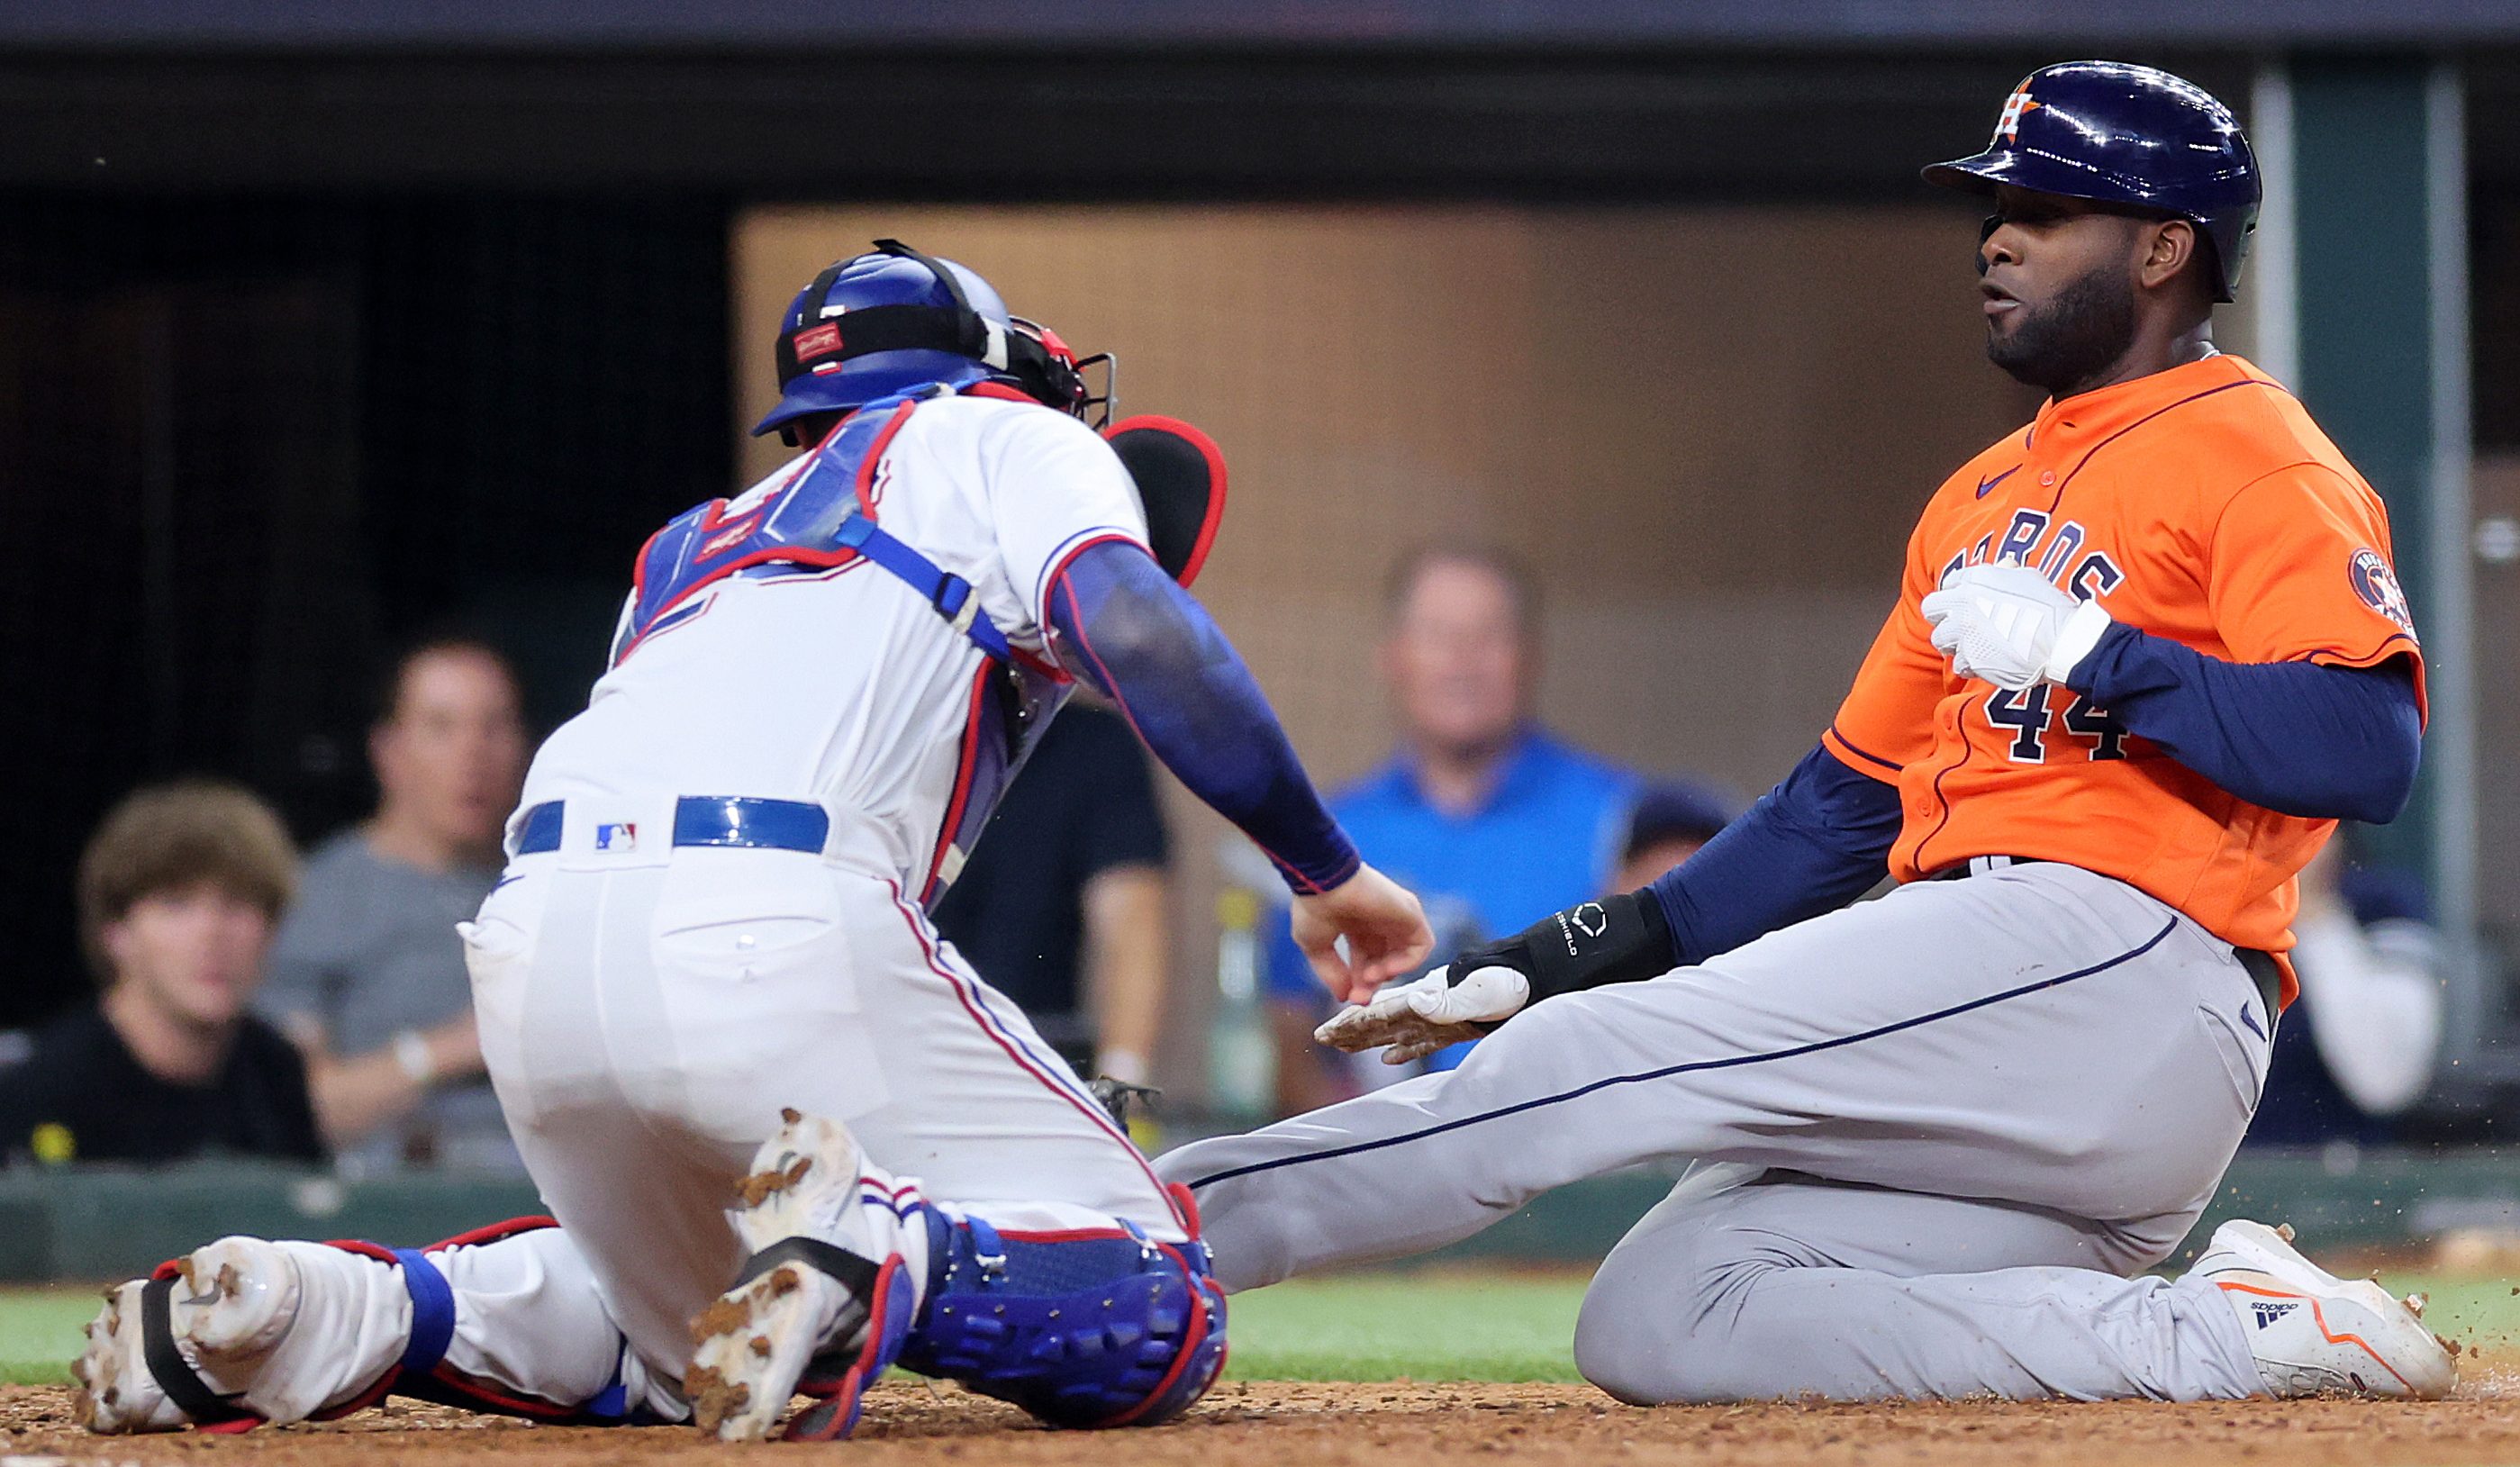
[[1067, 556], [715, 517], [875, 457], [1184, 1207], [966, 764], [980, 1016]]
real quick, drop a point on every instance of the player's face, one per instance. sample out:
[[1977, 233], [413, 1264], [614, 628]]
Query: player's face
[[1456, 659], [194, 952], [2058, 282], [452, 757]]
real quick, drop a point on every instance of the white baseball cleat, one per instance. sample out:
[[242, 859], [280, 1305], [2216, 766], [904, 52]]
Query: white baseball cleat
[[824, 1305], [225, 1308], [2313, 1333]]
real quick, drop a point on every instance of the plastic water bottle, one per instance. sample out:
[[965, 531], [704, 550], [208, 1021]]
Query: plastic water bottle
[[1243, 1053]]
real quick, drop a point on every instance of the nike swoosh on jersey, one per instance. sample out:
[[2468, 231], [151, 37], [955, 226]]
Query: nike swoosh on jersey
[[1984, 485]]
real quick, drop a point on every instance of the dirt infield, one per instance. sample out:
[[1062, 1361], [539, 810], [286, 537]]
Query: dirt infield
[[1269, 1424]]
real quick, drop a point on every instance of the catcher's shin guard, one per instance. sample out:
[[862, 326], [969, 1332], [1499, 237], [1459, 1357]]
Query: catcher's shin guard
[[1083, 1328], [420, 1372]]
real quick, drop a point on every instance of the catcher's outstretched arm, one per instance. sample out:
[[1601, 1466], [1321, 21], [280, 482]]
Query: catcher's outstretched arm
[[1134, 634]]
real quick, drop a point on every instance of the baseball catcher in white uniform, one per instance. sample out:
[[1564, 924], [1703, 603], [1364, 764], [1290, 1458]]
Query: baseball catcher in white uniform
[[786, 1136]]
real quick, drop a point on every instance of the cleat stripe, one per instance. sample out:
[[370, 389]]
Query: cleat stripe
[[2318, 1316]]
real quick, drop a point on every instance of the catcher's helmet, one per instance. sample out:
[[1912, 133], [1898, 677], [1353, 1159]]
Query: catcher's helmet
[[894, 319], [2125, 134]]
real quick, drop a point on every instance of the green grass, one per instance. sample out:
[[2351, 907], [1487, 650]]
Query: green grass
[[1383, 1326], [41, 1330]]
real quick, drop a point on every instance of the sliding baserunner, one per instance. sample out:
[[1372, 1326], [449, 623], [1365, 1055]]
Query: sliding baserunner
[[2148, 651]]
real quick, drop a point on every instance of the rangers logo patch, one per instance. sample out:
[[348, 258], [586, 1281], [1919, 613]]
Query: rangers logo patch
[[2377, 585]]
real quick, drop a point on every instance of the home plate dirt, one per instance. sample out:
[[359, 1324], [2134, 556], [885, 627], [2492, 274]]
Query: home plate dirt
[[1271, 1424]]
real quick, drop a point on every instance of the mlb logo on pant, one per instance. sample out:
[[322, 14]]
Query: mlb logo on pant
[[617, 837]]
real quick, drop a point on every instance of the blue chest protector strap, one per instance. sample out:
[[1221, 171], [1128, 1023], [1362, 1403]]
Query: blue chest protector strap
[[949, 594], [815, 520]]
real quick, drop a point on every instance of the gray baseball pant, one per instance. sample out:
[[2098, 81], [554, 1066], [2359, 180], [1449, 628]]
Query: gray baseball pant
[[1950, 1122]]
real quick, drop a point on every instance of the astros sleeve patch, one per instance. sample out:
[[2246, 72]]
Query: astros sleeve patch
[[2301, 569]]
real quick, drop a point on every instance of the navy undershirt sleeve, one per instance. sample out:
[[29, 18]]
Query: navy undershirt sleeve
[[1140, 640], [1812, 844], [2296, 737]]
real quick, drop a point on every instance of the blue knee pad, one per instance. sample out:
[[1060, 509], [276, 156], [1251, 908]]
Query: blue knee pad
[[1082, 1329]]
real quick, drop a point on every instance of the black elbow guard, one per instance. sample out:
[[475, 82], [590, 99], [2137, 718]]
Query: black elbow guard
[[1618, 939]]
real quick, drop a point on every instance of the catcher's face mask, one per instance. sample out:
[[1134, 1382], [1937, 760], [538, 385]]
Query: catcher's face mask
[[1180, 474]]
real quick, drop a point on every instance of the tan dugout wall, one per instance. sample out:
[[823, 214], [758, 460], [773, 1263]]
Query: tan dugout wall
[[1707, 429]]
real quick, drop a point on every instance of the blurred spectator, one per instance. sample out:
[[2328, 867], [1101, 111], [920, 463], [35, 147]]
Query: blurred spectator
[[1670, 820], [177, 894], [367, 974], [2356, 1049], [1493, 823], [1061, 907]]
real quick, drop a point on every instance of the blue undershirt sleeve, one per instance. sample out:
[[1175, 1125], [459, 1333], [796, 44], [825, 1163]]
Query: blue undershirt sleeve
[[1139, 637], [2300, 739], [1812, 844]]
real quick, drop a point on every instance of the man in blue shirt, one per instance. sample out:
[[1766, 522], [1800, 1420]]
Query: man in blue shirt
[[1491, 821]]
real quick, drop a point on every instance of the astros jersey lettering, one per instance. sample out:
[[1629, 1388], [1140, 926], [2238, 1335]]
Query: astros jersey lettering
[[2199, 503]]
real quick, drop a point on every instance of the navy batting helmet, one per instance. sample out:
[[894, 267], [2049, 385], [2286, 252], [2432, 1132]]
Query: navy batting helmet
[[894, 319], [2129, 136]]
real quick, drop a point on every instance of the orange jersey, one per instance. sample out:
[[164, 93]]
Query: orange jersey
[[2199, 503]]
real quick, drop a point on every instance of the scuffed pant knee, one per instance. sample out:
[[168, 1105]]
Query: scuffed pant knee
[[1657, 1324], [1609, 1353]]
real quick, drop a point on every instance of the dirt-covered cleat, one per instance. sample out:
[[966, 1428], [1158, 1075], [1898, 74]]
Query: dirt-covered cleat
[[115, 1395], [221, 1310], [824, 1303], [2313, 1333], [751, 1347]]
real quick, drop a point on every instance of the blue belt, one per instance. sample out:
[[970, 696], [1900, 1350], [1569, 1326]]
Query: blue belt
[[705, 820]]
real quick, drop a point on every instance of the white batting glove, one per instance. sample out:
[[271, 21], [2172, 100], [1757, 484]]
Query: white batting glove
[[1411, 1020], [2009, 625]]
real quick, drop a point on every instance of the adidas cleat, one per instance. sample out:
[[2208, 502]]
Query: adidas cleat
[[2313, 1333]]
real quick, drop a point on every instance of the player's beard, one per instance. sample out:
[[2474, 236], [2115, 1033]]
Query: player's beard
[[2082, 331]]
